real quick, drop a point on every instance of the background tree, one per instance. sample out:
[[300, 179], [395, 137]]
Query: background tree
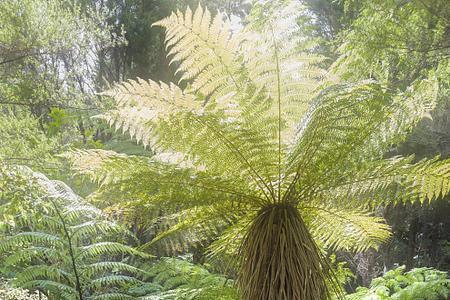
[[143, 55], [47, 77]]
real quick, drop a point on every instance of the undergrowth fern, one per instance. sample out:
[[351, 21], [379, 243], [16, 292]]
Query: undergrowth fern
[[419, 283], [176, 278], [63, 246]]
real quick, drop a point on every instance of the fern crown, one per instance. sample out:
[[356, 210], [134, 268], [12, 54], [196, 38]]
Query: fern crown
[[259, 123]]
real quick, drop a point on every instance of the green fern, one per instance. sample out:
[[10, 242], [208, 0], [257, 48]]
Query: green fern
[[261, 137], [419, 283], [175, 278], [60, 246]]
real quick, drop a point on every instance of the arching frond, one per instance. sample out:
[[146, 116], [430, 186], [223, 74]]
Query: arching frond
[[391, 181], [343, 228], [143, 175], [206, 51], [205, 137], [141, 104], [109, 266], [78, 211], [230, 239], [112, 296], [208, 137], [26, 238], [97, 249], [44, 272], [352, 123], [102, 166], [112, 280], [27, 255], [50, 222], [97, 227], [279, 60], [180, 279], [189, 227], [53, 286], [338, 114]]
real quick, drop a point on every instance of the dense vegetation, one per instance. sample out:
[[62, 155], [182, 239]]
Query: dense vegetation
[[420, 283], [268, 149]]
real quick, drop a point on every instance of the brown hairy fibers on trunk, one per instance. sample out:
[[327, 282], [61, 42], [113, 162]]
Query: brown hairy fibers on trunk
[[280, 260]]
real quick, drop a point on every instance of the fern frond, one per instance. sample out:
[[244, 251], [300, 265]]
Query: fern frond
[[182, 279], [26, 255], [53, 286], [78, 211], [97, 249], [59, 190], [205, 49], [65, 240], [207, 136], [112, 296], [334, 124], [26, 238], [356, 122], [112, 280], [49, 222], [180, 230], [392, 181], [141, 175], [343, 228], [142, 103], [230, 239], [44, 272], [111, 266], [92, 164], [278, 61], [97, 227]]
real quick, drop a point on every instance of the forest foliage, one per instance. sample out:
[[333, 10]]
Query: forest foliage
[[212, 129]]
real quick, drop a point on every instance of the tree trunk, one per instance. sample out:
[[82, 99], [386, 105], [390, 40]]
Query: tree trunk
[[412, 235], [280, 260]]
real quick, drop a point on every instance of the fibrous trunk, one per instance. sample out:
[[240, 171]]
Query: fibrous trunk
[[280, 260]]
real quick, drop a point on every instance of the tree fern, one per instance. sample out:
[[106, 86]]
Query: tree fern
[[265, 139], [176, 278], [60, 247]]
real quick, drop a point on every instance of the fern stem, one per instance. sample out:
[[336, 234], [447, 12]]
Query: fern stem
[[277, 62], [72, 255], [304, 162], [215, 189], [240, 156]]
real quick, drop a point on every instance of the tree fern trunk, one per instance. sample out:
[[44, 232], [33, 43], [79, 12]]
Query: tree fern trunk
[[280, 260]]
